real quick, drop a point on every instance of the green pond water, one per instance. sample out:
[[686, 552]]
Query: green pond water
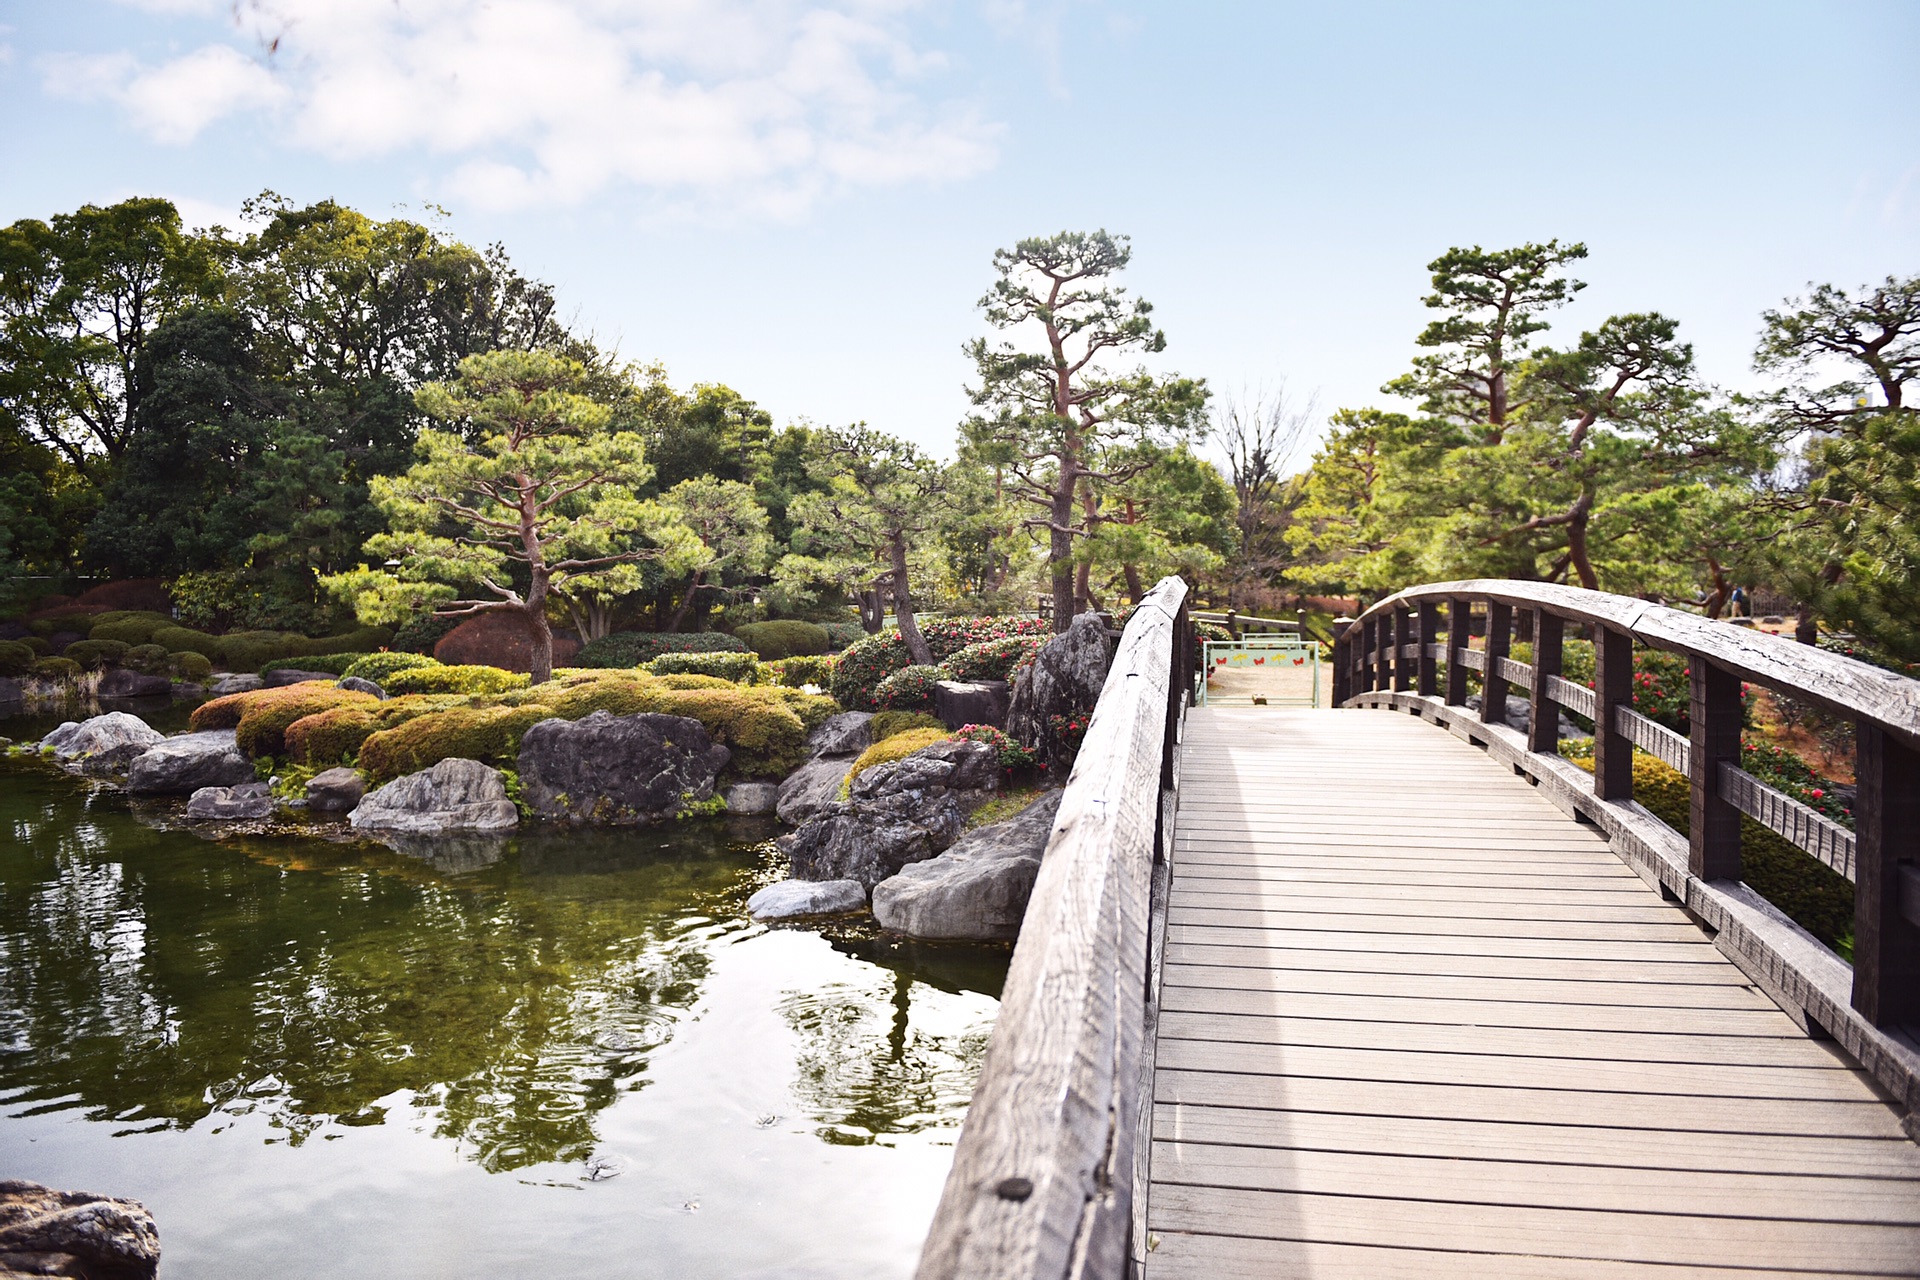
[[568, 1054]]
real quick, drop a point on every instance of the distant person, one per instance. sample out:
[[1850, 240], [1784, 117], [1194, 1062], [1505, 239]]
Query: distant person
[[1739, 601]]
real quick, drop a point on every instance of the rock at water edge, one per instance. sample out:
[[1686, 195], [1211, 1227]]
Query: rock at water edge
[[123, 683], [281, 677], [901, 812], [618, 769], [791, 898], [846, 734], [102, 1238], [977, 889], [753, 797], [335, 790], [454, 795], [99, 735], [186, 763], [252, 800], [244, 682], [811, 788]]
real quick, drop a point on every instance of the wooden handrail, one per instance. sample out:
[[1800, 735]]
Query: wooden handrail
[[1873, 1009], [1043, 1174]]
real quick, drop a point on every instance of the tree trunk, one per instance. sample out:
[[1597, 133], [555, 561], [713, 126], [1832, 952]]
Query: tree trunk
[[1060, 543], [903, 604], [1577, 545], [542, 662], [873, 615], [1136, 589], [1718, 599], [686, 602]]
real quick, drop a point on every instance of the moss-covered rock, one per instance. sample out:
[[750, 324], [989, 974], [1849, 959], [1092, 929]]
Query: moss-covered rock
[[488, 734], [897, 746]]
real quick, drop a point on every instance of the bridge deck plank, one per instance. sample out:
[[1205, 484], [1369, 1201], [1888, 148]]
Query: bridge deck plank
[[1414, 1021]]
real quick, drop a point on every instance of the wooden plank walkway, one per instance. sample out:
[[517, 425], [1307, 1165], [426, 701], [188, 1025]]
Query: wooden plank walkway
[[1417, 1022]]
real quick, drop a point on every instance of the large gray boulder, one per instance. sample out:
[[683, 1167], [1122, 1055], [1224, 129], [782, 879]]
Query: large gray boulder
[[959, 703], [846, 734], [242, 682], [100, 733], [354, 684], [454, 795], [902, 812], [978, 888], [335, 790], [44, 1232], [250, 801], [752, 797], [618, 769], [281, 677], [1062, 683], [13, 694], [811, 788], [122, 682], [792, 898], [184, 764]]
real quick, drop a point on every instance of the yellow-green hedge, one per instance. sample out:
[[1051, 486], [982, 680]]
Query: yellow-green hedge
[[260, 718], [1816, 897], [468, 680], [488, 734], [336, 735]]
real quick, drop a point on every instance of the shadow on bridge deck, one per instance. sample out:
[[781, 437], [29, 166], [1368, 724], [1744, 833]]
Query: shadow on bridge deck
[[1415, 1021]]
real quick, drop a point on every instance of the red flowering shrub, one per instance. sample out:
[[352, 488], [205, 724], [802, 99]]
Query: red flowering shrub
[[1013, 756]]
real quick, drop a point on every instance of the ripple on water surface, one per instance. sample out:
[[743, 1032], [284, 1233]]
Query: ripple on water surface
[[569, 1053]]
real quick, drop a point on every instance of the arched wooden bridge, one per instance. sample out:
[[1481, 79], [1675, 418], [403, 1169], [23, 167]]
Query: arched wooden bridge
[[1393, 989]]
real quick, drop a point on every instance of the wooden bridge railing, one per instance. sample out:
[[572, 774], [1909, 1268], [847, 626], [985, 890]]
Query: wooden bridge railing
[[1043, 1174], [1392, 654]]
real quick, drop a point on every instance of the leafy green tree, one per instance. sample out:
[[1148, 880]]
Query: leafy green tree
[[1852, 360], [726, 541], [1342, 538], [79, 298], [870, 522], [1048, 416], [526, 484], [1173, 512], [711, 431]]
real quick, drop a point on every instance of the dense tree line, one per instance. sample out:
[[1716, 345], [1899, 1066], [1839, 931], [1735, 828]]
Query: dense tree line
[[331, 412]]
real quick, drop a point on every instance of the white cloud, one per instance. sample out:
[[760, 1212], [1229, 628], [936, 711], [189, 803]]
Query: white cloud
[[761, 104]]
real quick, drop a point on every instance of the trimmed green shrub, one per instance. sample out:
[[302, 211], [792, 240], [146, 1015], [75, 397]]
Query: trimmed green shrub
[[39, 645], [908, 689], [794, 672], [335, 736], [888, 723], [1012, 755], [252, 650], [637, 648], [488, 734], [814, 709], [333, 664], [268, 713], [765, 735], [149, 659], [741, 668], [185, 640], [895, 747], [379, 667], [785, 638], [62, 669], [842, 634], [1818, 898], [991, 659], [441, 679], [129, 628], [189, 666], [16, 659], [948, 636], [690, 681], [361, 640], [92, 655]]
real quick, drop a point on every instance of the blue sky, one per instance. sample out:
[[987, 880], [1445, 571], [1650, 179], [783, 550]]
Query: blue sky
[[801, 198]]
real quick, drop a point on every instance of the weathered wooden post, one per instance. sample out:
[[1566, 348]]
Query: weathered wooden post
[[1713, 840], [1612, 688], [1342, 661], [1543, 713], [1886, 900], [1493, 685], [1428, 666], [1459, 636], [1402, 637]]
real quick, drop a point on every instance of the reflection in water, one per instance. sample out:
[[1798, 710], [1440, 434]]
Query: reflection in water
[[500, 996]]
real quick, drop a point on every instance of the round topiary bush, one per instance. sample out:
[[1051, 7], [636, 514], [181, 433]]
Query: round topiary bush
[[378, 667], [888, 723], [857, 673], [189, 666], [92, 655], [792, 673], [442, 679], [64, 670], [148, 659], [741, 668], [842, 634], [637, 648], [185, 640], [129, 628], [488, 734], [784, 638], [908, 689], [16, 659]]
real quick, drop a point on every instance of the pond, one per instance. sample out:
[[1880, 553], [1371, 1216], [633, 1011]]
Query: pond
[[574, 1054]]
